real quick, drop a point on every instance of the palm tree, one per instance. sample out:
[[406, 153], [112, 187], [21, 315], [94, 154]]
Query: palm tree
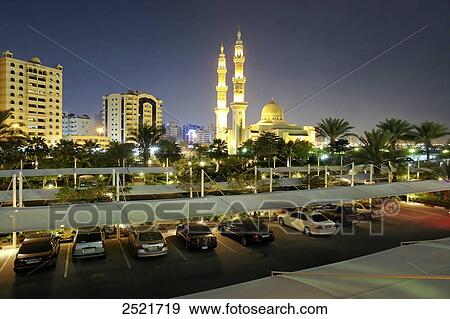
[[334, 129], [400, 130], [426, 132], [7, 131], [65, 153], [146, 137], [217, 151], [36, 149], [168, 150], [375, 146], [267, 146], [117, 152]]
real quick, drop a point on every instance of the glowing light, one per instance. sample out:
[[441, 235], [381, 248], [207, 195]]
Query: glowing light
[[244, 150], [324, 156], [445, 151], [411, 150], [356, 149], [202, 163], [100, 130]]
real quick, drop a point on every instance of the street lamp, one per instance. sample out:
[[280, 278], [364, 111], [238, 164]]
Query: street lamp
[[202, 192], [191, 194]]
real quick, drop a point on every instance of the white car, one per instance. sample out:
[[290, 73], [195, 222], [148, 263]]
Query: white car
[[310, 223], [89, 242]]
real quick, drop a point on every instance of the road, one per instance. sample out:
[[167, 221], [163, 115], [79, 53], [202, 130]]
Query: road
[[182, 272]]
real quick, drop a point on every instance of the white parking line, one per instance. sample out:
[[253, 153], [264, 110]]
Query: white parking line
[[124, 254], [66, 266], [6, 261], [178, 251], [226, 246]]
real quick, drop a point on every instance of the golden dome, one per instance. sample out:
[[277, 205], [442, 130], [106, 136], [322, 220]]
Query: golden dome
[[272, 112]]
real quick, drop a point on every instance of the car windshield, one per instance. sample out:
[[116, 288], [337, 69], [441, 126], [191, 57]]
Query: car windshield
[[318, 218], [199, 229], [88, 237], [35, 247], [150, 236]]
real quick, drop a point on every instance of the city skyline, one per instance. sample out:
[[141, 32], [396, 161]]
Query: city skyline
[[319, 45]]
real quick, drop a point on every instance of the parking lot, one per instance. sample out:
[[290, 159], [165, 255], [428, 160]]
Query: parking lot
[[181, 272]]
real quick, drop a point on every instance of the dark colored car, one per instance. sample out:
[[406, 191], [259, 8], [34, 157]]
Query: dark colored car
[[196, 236], [37, 251], [247, 230], [346, 214]]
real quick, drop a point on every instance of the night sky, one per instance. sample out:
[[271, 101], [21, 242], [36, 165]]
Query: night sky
[[293, 48]]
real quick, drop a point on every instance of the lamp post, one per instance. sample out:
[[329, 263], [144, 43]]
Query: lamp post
[[309, 176], [256, 179], [326, 176], [202, 181], [191, 193], [407, 177], [353, 174], [271, 180]]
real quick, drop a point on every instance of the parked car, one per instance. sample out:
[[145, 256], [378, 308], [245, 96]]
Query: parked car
[[339, 214], [88, 242], [350, 213], [247, 230], [37, 251], [147, 241], [308, 222], [196, 236]]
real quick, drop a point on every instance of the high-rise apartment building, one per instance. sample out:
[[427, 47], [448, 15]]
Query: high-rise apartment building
[[33, 94], [124, 113], [173, 131], [73, 124]]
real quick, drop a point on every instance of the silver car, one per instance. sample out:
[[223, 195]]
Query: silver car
[[147, 241], [88, 242]]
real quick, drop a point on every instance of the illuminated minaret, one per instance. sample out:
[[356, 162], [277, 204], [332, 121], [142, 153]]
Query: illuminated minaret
[[239, 105], [221, 109]]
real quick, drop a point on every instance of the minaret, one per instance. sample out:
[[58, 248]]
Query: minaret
[[239, 105], [221, 109]]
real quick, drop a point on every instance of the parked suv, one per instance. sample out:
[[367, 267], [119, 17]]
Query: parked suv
[[88, 242], [37, 251], [196, 235], [147, 241]]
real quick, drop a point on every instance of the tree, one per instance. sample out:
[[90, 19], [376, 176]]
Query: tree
[[399, 129], [375, 146], [5, 130], [426, 132], [302, 149], [267, 146], [217, 151], [246, 150], [37, 150], [65, 152], [117, 152], [146, 137], [168, 150], [334, 129]]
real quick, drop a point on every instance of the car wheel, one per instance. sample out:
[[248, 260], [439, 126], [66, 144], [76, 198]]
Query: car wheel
[[244, 241], [307, 231], [281, 221]]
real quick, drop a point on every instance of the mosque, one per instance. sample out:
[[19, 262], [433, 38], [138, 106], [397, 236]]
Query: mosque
[[272, 115]]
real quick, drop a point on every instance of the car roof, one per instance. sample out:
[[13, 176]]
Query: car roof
[[88, 230], [146, 228], [38, 237], [191, 224]]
